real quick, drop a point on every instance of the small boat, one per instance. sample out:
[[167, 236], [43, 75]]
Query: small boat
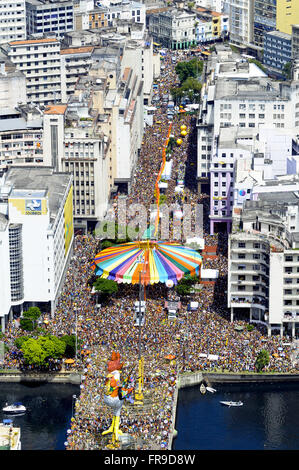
[[211, 390], [232, 403], [14, 408], [202, 389]]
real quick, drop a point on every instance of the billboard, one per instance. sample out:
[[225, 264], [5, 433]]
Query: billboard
[[33, 207], [68, 221], [29, 206]]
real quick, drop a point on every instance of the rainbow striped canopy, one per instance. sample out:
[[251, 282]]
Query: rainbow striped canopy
[[156, 261]]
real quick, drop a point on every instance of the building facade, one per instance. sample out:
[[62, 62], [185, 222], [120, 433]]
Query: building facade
[[277, 50], [287, 15], [241, 21], [45, 17], [75, 62], [37, 207], [21, 136], [12, 21], [39, 60], [264, 19], [175, 29], [248, 276]]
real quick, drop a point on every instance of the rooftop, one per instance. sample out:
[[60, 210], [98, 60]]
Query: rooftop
[[44, 181], [255, 88], [279, 34], [77, 50], [55, 109], [32, 41]]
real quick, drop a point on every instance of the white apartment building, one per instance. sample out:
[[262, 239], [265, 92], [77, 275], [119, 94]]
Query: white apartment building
[[238, 95], [5, 298], [21, 136], [12, 20], [173, 28], [248, 276], [270, 224], [251, 104], [12, 87], [39, 60], [228, 67], [109, 14], [138, 55], [126, 10], [241, 20], [230, 148], [284, 290], [75, 62], [74, 144], [36, 237], [47, 17], [215, 5]]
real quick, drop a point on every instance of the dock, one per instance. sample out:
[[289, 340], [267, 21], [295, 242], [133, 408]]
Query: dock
[[10, 436]]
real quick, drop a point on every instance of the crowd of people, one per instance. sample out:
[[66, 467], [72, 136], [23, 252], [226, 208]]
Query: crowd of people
[[203, 339]]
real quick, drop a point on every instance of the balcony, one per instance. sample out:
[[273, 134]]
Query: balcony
[[289, 318]]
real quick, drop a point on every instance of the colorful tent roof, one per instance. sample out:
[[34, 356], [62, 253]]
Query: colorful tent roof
[[156, 261]]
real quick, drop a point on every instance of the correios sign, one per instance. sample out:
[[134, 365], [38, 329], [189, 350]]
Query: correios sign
[[33, 207]]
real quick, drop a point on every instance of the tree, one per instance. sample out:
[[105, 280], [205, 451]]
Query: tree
[[29, 319], [19, 341], [105, 287], [192, 68], [184, 286], [191, 88], [70, 345], [33, 352], [38, 351], [177, 94], [53, 346], [262, 360], [287, 70]]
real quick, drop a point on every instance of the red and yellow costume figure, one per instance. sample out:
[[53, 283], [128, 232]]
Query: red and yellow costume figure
[[115, 392]]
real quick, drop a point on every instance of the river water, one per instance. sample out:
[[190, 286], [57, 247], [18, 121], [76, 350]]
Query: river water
[[49, 410], [268, 419]]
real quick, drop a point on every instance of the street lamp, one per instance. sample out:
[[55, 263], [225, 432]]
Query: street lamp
[[139, 394], [73, 402]]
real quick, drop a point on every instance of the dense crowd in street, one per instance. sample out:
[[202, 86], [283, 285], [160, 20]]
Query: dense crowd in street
[[191, 339]]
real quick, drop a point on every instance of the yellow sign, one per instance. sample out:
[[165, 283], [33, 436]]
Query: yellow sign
[[68, 221], [30, 206]]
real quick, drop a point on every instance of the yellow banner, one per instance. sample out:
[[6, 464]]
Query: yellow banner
[[68, 220]]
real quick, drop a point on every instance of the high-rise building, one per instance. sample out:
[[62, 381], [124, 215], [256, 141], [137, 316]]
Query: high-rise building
[[12, 20], [295, 41], [45, 17], [75, 62], [287, 15], [264, 19], [263, 261], [39, 60], [36, 237], [241, 16], [21, 131], [277, 50]]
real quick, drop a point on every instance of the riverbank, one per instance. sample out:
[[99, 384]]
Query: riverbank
[[196, 378], [65, 377], [185, 380]]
